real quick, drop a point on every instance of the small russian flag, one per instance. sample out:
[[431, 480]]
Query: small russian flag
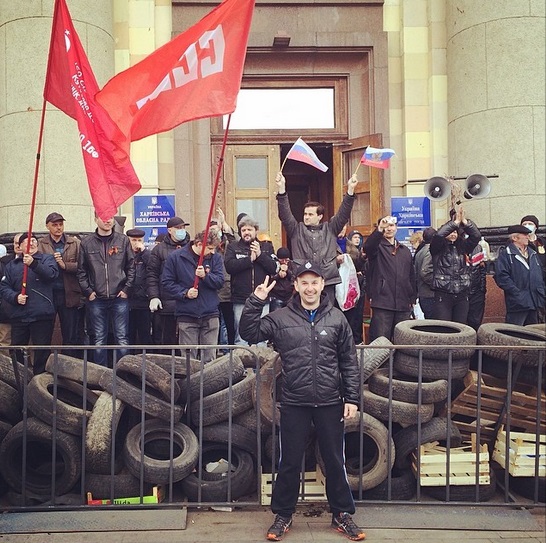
[[377, 158], [301, 152]]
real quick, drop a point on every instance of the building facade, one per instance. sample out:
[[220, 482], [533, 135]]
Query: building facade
[[455, 87]]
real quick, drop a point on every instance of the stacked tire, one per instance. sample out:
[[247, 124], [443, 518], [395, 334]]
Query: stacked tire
[[434, 355], [496, 357], [425, 351]]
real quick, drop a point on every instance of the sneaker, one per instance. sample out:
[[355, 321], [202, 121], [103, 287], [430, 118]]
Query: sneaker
[[345, 524], [280, 526]]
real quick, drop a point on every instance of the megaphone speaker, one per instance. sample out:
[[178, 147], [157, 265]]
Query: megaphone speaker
[[437, 189], [477, 186]]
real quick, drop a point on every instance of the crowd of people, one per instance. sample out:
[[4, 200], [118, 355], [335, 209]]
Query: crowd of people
[[108, 287], [228, 286]]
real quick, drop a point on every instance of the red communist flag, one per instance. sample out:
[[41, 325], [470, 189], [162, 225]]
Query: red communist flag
[[195, 75], [71, 86]]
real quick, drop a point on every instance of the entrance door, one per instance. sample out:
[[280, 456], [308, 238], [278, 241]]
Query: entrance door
[[370, 203], [249, 177]]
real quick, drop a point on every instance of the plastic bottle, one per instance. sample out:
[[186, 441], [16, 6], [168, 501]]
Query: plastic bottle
[[485, 248]]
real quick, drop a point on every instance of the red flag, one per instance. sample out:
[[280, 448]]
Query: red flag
[[195, 75], [71, 86]]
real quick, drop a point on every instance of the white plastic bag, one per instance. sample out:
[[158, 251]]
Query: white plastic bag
[[348, 291]]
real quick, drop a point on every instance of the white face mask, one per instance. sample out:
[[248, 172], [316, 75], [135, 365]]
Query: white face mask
[[531, 227], [180, 234]]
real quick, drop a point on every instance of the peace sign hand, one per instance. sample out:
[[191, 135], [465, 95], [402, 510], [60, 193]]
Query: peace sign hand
[[262, 291]]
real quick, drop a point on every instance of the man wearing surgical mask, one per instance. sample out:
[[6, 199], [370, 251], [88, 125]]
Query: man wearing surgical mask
[[539, 245], [162, 304]]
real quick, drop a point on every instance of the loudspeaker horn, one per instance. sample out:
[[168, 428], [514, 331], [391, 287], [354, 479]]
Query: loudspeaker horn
[[477, 186], [437, 189]]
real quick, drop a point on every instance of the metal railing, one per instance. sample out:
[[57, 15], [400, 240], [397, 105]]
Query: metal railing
[[165, 429]]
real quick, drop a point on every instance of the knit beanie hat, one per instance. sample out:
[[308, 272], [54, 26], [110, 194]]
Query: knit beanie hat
[[529, 218]]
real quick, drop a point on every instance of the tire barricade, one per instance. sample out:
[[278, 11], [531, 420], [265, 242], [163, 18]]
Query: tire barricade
[[207, 434]]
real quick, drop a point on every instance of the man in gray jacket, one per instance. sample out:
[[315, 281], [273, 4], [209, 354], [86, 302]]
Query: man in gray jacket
[[312, 240]]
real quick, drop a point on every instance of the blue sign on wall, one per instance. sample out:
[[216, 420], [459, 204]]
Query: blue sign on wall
[[411, 211], [151, 214], [153, 210]]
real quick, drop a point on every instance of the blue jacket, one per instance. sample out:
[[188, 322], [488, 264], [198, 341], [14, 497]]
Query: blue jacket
[[41, 275], [521, 280], [178, 276]]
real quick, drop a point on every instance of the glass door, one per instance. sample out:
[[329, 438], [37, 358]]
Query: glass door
[[250, 187], [370, 201]]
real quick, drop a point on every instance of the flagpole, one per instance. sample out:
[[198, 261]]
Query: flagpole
[[213, 199], [34, 191], [286, 157], [357, 168]]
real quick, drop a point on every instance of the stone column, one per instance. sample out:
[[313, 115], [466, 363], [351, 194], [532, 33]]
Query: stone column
[[25, 30], [496, 75]]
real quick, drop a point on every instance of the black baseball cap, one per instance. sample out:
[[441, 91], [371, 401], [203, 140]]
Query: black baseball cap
[[309, 267], [176, 221]]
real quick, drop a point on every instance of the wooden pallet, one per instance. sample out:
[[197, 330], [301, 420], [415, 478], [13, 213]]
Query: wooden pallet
[[522, 453], [312, 488], [523, 406], [462, 465]]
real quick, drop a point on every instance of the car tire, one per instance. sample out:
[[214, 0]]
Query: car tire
[[431, 332]]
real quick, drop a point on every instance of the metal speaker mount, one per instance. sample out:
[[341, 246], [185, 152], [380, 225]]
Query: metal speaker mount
[[477, 186], [437, 189]]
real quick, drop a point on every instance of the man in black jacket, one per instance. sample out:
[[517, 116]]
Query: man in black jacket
[[140, 319], [106, 274], [32, 314], [247, 261], [390, 279], [320, 387]]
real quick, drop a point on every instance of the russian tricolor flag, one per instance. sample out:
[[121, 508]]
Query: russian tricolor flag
[[303, 153], [377, 158]]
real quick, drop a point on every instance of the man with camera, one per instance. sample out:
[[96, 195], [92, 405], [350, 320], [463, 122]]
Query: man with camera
[[390, 279]]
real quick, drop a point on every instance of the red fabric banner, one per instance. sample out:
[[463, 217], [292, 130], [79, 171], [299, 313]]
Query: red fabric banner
[[195, 75], [71, 86]]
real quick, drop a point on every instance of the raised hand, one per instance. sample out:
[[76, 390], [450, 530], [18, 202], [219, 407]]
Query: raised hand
[[262, 291], [351, 184], [281, 183]]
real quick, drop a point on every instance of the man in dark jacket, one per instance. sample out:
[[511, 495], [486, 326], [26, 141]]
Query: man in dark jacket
[[450, 248], [106, 274], [196, 307], [140, 320], [32, 314], [312, 240], [67, 295], [161, 302], [391, 279], [247, 261], [538, 244], [5, 324], [320, 386], [518, 272]]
